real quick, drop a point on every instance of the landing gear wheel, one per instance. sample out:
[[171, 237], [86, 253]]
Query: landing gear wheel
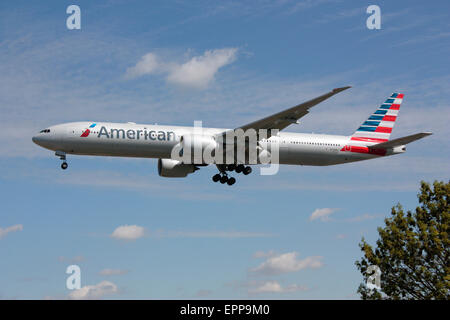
[[216, 177], [231, 167], [247, 170], [64, 165], [239, 168], [231, 181], [223, 179]]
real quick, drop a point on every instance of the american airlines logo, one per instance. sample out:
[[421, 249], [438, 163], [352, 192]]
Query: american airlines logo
[[132, 134], [87, 131]]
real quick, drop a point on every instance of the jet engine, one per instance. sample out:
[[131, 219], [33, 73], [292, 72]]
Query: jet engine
[[174, 169]]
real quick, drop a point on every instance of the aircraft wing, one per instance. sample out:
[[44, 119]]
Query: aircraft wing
[[400, 141], [289, 116]]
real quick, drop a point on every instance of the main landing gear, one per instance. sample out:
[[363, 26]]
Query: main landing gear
[[240, 168], [62, 156], [223, 177]]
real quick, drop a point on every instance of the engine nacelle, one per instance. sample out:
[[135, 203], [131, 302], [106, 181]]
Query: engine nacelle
[[174, 169]]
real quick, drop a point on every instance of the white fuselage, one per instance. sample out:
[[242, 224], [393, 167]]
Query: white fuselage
[[157, 141]]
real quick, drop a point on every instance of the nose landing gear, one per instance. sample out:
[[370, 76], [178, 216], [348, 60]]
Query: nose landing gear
[[62, 156]]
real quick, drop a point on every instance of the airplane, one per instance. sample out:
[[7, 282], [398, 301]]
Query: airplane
[[371, 140]]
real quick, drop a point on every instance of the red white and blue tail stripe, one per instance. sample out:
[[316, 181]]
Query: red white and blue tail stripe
[[378, 127]]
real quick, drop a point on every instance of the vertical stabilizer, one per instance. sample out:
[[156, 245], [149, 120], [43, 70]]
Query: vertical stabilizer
[[378, 127]]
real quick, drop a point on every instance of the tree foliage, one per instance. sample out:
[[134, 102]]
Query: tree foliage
[[412, 250]]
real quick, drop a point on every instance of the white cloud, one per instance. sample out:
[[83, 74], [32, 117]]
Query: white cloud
[[128, 232], [14, 228], [147, 65], [97, 291], [112, 272], [287, 262], [198, 72], [322, 214], [275, 287]]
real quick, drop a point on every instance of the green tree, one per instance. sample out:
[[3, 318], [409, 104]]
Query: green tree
[[413, 250]]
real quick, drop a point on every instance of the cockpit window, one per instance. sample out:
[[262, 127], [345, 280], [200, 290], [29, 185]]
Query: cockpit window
[[45, 131]]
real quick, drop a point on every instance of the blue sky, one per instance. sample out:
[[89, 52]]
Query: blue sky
[[198, 239]]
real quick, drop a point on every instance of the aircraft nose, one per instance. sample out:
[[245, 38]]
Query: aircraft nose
[[36, 139]]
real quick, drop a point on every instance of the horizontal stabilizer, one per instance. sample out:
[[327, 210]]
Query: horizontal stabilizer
[[400, 141]]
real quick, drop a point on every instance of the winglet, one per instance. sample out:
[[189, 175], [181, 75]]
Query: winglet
[[336, 90]]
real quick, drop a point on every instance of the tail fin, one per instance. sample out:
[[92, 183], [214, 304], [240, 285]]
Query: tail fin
[[378, 127]]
